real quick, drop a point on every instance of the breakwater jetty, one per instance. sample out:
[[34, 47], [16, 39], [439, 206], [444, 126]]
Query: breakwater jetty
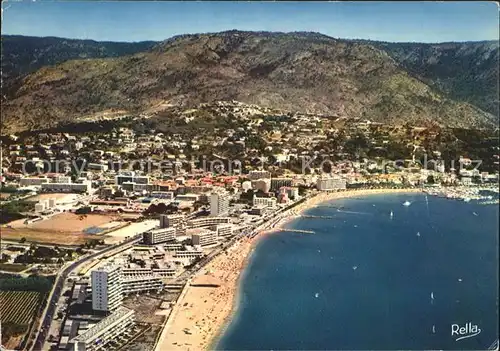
[[316, 217], [295, 230]]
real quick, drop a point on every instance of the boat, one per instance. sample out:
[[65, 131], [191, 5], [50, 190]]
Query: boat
[[406, 203], [432, 295], [433, 329], [467, 199], [354, 267], [392, 214], [475, 214], [316, 295], [418, 233]]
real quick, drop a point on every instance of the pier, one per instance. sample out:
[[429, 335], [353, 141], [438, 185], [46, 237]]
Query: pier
[[295, 231], [491, 202], [330, 206], [316, 217]]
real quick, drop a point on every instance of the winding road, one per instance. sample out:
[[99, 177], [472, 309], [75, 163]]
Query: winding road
[[56, 291]]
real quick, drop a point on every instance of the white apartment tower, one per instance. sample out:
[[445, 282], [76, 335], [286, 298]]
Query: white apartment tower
[[219, 204], [106, 288]]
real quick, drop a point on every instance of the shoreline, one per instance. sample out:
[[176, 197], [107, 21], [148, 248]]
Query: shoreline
[[315, 201], [207, 325]]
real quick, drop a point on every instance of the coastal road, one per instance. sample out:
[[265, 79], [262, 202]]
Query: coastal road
[[56, 291]]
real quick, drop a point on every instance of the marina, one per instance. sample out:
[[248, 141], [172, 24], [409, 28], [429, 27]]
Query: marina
[[466, 193]]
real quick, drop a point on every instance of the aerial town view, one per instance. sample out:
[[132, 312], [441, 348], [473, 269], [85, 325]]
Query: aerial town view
[[324, 177]]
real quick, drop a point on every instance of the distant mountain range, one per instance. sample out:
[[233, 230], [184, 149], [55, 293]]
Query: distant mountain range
[[52, 80], [465, 71], [22, 55]]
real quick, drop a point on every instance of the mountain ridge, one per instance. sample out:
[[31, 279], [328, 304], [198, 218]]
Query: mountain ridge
[[300, 71]]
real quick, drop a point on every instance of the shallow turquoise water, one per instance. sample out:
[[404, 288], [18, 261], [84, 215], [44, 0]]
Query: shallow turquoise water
[[364, 280]]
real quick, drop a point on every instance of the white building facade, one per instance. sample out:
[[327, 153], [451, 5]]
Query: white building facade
[[223, 230], [264, 201], [158, 236], [106, 288], [106, 331], [204, 238], [207, 221], [140, 283], [219, 204], [330, 183]]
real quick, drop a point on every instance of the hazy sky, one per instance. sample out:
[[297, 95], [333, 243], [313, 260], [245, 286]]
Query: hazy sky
[[136, 21]]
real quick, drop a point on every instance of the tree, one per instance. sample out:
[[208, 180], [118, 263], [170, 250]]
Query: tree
[[83, 210], [247, 196], [197, 204], [430, 179], [161, 208], [302, 190], [260, 193]]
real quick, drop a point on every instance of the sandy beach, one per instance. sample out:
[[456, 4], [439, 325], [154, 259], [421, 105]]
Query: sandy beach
[[203, 312]]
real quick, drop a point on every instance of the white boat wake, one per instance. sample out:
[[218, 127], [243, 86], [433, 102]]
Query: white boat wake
[[353, 212]]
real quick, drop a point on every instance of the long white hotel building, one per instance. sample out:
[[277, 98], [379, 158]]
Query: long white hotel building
[[190, 253], [158, 236], [164, 271], [330, 183], [204, 237], [104, 333], [139, 283], [207, 221]]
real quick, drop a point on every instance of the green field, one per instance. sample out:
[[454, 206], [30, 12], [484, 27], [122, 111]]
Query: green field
[[13, 267], [20, 300], [18, 306]]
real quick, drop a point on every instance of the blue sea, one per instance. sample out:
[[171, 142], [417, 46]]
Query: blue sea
[[366, 281]]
